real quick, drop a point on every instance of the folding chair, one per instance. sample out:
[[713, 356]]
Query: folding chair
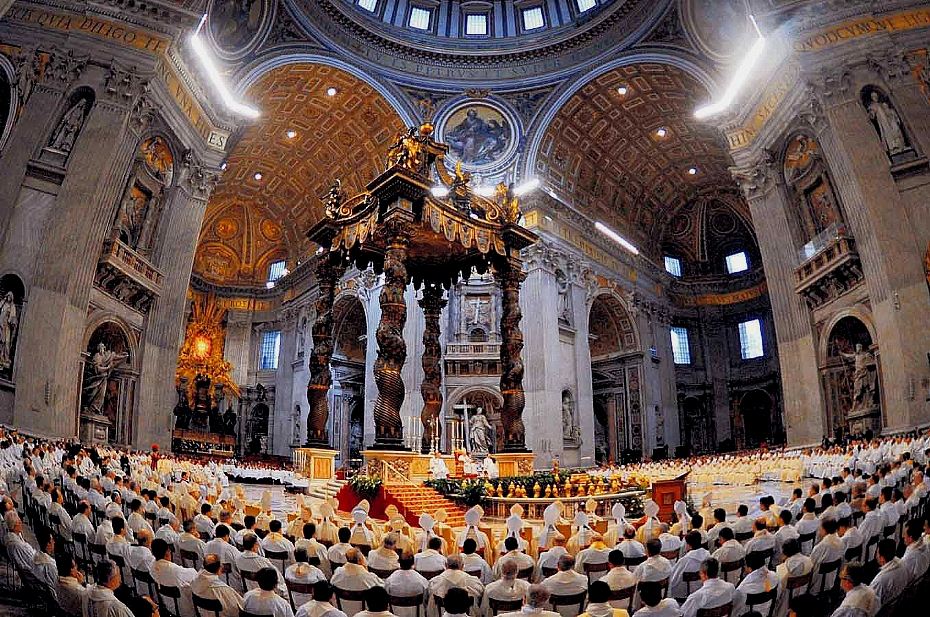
[[504, 606], [203, 605], [758, 599], [619, 595], [728, 567], [723, 610], [570, 600], [174, 594], [406, 601], [595, 568]]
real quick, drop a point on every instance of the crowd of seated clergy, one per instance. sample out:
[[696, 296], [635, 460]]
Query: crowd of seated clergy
[[111, 537]]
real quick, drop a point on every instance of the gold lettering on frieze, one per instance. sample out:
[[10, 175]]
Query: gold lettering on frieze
[[100, 28], [189, 105], [743, 136], [864, 26], [723, 299]]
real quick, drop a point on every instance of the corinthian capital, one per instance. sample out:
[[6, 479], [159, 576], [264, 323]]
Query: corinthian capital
[[756, 179]]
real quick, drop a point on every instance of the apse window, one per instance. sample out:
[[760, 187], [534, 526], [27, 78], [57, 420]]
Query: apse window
[[673, 265], [586, 5], [276, 270], [368, 5], [420, 18], [533, 18], [750, 339], [737, 262], [476, 24], [271, 345], [681, 350]]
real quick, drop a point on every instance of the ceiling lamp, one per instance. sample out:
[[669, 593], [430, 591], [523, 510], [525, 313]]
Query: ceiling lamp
[[209, 67], [331, 91], [291, 134], [258, 176], [661, 132], [610, 233], [622, 90], [739, 78], [692, 171]]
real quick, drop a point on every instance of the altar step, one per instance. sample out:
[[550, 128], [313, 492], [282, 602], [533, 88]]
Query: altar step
[[412, 501], [324, 489]]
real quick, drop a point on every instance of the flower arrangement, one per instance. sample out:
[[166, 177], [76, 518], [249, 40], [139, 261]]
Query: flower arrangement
[[366, 487]]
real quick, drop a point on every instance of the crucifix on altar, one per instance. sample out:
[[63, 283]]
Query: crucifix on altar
[[458, 427], [430, 236]]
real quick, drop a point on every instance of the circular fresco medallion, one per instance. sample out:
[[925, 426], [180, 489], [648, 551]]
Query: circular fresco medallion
[[271, 230], [236, 25], [721, 28], [226, 228], [480, 135], [723, 223]]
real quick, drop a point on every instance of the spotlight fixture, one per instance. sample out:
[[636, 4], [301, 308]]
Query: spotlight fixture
[[439, 191], [622, 90], [258, 175], [739, 78], [213, 73], [610, 233], [692, 171], [661, 132], [269, 285], [526, 187], [223, 166], [291, 134], [331, 91]]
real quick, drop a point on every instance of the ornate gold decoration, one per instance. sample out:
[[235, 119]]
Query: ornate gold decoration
[[202, 351]]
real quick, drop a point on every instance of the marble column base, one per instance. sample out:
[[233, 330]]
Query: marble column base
[[511, 464], [315, 463]]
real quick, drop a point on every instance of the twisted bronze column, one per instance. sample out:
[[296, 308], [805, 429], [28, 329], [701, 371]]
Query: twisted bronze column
[[392, 349], [432, 304], [327, 273], [509, 277]]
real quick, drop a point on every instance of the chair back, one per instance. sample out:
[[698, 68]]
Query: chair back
[[190, 556], [689, 578], [295, 587], [742, 536], [634, 561], [383, 574], [245, 613], [279, 558], [672, 555], [718, 611], [430, 574], [118, 560], [547, 572], [827, 569], [805, 538], [570, 600], [364, 548], [594, 568], [348, 595], [853, 553], [793, 583], [174, 594], [407, 602], [627, 593], [206, 605], [526, 573], [504, 606], [142, 576], [757, 599], [888, 530], [438, 600]]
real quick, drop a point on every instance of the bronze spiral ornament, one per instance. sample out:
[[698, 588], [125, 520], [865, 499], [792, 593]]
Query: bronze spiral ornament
[[511, 363], [432, 304], [392, 349], [320, 376]]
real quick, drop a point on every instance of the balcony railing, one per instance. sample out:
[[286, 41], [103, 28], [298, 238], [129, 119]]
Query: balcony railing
[[472, 350], [829, 266], [821, 241]]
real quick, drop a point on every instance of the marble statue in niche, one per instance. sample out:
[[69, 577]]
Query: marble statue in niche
[[68, 129], [886, 121], [864, 384], [479, 430], [9, 320], [101, 366], [571, 432], [564, 310], [144, 197]]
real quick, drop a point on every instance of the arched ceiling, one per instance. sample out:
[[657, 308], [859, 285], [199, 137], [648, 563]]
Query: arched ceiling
[[602, 155], [250, 222]]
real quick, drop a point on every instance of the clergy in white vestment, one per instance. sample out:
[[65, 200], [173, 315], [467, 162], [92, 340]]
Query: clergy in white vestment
[[100, 601], [514, 525], [795, 564], [376, 602], [438, 467], [615, 529], [475, 564], [760, 579], [549, 560], [785, 532], [618, 576], [19, 551], [871, 525], [551, 516], [537, 598], [566, 582], [167, 573], [354, 576], [209, 586], [595, 554], [514, 554], [406, 582], [650, 527], [384, 558], [689, 562], [654, 605], [630, 546], [683, 521], [713, 591], [361, 534], [303, 573], [222, 547], [322, 604], [730, 551], [428, 533], [508, 588], [670, 541], [762, 539], [314, 548], [119, 546], [916, 557], [829, 549], [431, 560], [44, 568], [337, 552], [250, 561], [275, 542], [190, 540], [265, 600], [454, 576], [892, 577], [71, 592], [860, 600]]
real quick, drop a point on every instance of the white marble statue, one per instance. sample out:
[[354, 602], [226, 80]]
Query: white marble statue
[[67, 131], [889, 125], [479, 430], [570, 431], [863, 381], [101, 367], [9, 319]]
